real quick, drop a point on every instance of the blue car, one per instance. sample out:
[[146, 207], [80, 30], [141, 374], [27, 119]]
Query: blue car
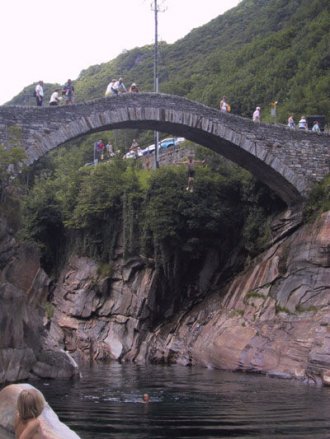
[[164, 144], [170, 141]]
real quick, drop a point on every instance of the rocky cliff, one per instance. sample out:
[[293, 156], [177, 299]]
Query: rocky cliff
[[273, 318], [24, 288]]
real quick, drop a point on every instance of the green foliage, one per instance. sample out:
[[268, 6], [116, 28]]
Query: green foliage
[[43, 221], [104, 270], [319, 199], [281, 309], [234, 313], [49, 310], [11, 165], [302, 309], [88, 207]]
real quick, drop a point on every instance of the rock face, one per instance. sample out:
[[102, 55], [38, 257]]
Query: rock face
[[24, 287], [48, 418], [274, 318]]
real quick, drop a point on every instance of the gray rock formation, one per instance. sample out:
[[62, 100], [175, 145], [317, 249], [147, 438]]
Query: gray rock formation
[[274, 318], [24, 288]]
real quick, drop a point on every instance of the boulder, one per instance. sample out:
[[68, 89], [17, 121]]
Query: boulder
[[8, 401]]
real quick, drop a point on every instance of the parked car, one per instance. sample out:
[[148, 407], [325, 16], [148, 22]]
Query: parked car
[[148, 150], [134, 154], [167, 143], [164, 144]]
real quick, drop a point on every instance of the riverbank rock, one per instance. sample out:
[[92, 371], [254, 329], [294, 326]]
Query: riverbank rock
[[274, 318], [50, 420], [24, 288]]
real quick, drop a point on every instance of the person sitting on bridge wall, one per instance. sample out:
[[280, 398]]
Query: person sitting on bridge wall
[[316, 127], [55, 98], [302, 124], [291, 123], [133, 88], [119, 86], [111, 91]]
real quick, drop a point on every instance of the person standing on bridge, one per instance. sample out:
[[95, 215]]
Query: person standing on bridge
[[39, 93], [110, 150], [224, 106], [68, 91], [291, 123], [316, 127], [133, 88], [256, 115]]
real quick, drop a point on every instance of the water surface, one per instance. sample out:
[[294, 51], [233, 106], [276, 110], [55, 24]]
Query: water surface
[[187, 403]]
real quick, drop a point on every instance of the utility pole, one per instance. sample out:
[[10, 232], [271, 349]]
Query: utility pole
[[156, 9]]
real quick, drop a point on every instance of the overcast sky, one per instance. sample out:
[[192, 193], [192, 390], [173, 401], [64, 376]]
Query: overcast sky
[[54, 40]]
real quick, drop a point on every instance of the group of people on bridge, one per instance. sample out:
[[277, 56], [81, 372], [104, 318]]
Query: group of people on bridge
[[65, 93], [303, 124], [224, 107], [116, 87]]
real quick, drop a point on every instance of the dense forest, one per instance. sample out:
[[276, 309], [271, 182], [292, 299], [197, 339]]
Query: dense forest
[[259, 52]]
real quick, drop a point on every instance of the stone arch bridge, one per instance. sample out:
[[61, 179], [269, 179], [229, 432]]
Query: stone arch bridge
[[288, 161]]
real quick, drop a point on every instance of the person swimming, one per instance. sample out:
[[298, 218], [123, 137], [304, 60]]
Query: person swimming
[[146, 397]]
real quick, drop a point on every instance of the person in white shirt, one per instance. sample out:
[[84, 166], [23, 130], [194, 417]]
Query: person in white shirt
[[39, 93], [110, 91], [302, 124], [120, 86], [316, 127], [55, 98], [256, 115], [224, 105]]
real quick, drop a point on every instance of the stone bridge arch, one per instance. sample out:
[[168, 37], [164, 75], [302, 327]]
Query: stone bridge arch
[[288, 161]]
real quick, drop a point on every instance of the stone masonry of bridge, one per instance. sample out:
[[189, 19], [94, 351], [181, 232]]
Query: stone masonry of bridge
[[288, 161]]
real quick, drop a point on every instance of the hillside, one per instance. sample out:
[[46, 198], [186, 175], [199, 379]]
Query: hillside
[[260, 51]]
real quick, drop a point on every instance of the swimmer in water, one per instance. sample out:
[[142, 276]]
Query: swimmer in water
[[146, 397]]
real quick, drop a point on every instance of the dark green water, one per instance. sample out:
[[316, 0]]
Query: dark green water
[[187, 403]]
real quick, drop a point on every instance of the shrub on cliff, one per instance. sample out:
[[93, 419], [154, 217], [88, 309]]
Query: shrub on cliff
[[318, 200]]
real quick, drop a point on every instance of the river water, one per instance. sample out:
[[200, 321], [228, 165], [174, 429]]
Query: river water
[[187, 403]]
